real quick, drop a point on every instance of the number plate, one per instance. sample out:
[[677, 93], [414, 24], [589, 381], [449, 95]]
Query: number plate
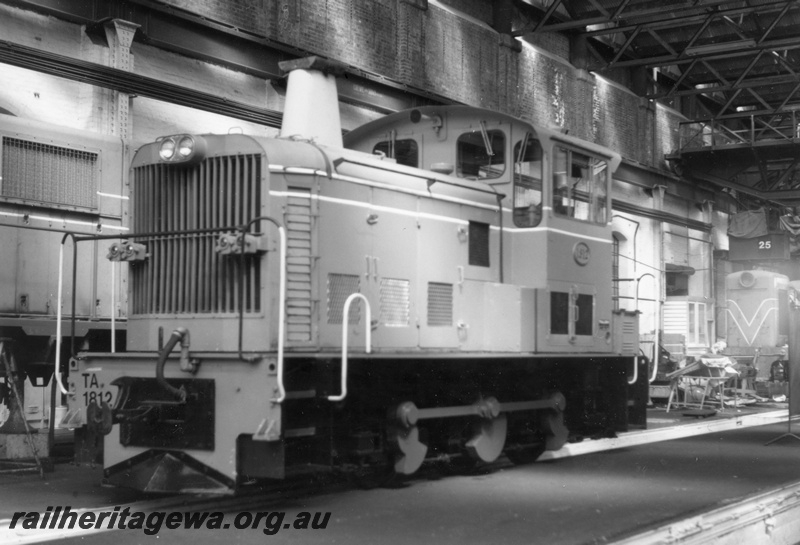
[[94, 389]]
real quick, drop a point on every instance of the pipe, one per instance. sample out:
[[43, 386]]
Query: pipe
[[181, 335]]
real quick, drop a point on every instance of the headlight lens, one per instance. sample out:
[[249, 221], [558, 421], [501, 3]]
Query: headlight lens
[[185, 146], [167, 150], [182, 149]]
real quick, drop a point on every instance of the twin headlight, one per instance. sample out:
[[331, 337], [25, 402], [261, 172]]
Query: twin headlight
[[182, 148]]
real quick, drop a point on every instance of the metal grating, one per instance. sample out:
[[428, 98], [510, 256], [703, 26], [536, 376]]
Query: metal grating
[[340, 287], [49, 174], [395, 302], [440, 304], [184, 273], [479, 244], [298, 264]]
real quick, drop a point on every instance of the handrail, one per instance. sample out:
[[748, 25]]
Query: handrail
[[281, 300], [430, 177], [57, 371], [345, 320], [113, 308], [635, 364]]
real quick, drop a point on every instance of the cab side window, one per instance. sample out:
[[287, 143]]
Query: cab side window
[[580, 186], [480, 154], [527, 159], [405, 151]]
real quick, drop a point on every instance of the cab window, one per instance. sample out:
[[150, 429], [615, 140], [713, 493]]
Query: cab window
[[480, 154], [404, 151], [527, 159], [580, 186]]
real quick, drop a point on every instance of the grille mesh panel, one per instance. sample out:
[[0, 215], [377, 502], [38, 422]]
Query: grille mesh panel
[[395, 302], [184, 274], [340, 287], [440, 304], [52, 174]]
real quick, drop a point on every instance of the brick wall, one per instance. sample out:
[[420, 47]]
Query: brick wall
[[450, 49], [442, 50]]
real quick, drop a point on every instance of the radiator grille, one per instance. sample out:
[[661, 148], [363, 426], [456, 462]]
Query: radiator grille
[[340, 287], [395, 302], [440, 304], [50, 174], [184, 274], [298, 264]]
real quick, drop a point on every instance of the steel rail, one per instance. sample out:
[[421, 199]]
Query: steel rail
[[770, 517]]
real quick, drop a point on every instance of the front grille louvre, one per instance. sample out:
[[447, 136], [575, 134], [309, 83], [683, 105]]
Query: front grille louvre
[[184, 274]]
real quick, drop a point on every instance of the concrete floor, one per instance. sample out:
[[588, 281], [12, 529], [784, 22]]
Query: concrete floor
[[586, 499]]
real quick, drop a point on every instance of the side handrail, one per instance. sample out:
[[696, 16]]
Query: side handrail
[[244, 230], [57, 368], [345, 321], [635, 359]]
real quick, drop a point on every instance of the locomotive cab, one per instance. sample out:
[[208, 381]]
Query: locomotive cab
[[554, 194]]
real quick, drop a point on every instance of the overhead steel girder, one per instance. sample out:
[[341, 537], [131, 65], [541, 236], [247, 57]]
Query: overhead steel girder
[[680, 21], [738, 49], [718, 166], [126, 82], [608, 17], [180, 31]]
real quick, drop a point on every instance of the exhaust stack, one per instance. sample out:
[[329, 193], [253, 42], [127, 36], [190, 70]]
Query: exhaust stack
[[312, 101]]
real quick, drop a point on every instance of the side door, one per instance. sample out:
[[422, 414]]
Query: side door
[[391, 275], [567, 317]]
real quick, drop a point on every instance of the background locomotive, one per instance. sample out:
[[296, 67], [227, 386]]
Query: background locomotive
[[437, 288], [757, 327], [54, 181]]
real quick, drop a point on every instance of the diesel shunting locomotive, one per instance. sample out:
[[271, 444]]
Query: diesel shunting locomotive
[[433, 286]]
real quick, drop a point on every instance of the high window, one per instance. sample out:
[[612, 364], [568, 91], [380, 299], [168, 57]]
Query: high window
[[404, 151], [527, 182], [480, 154], [580, 186]]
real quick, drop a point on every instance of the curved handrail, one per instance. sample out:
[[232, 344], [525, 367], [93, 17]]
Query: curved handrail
[[635, 359], [345, 320], [57, 369]]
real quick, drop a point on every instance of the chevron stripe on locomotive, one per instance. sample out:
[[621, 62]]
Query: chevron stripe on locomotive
[[435, 286]]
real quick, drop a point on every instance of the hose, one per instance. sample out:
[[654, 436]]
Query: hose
[[175, 338]]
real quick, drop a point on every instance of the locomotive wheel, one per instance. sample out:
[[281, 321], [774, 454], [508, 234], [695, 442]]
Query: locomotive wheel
[[410, 451], [489, 439], [552, 423]]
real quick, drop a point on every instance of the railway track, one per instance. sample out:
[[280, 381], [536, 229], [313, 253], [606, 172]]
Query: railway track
[[772, 517]]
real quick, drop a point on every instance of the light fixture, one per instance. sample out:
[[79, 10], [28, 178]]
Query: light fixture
[[182, 148]]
